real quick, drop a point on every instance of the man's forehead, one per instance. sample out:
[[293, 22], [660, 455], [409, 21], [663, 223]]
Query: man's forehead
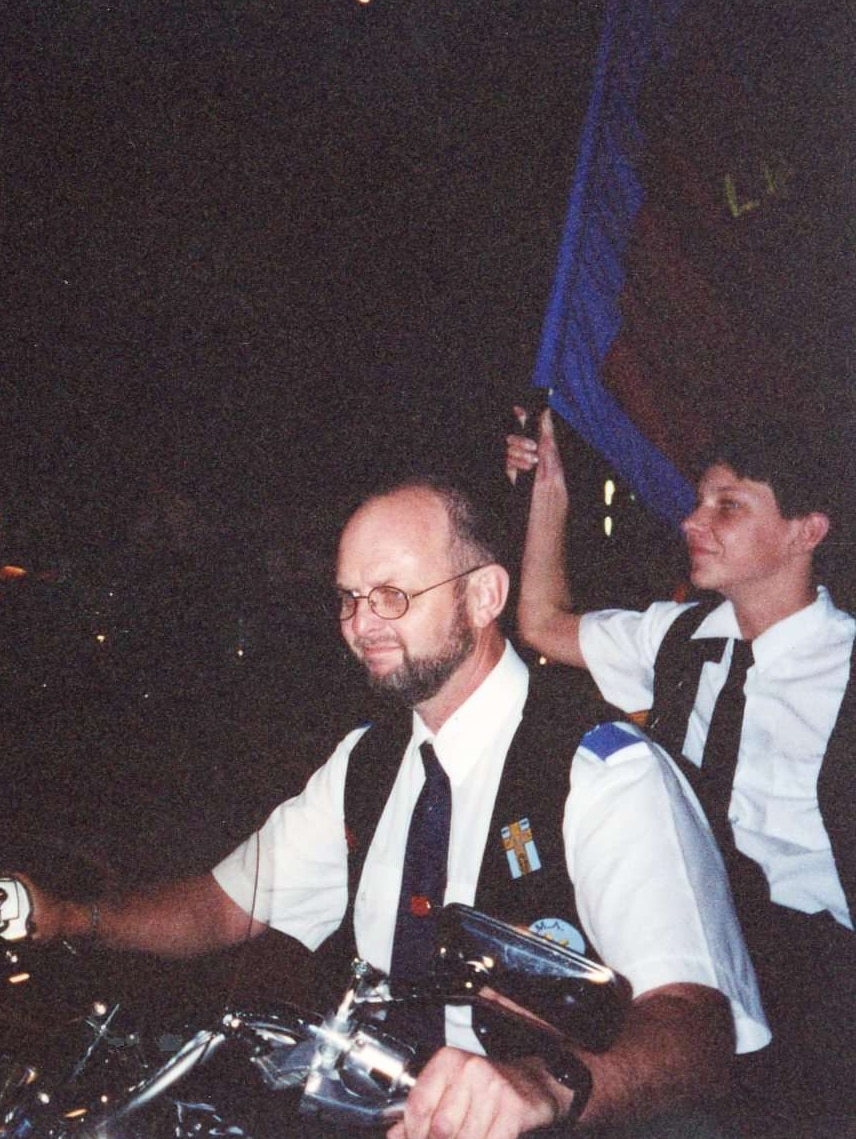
[[400, 510], [720, 477], [407, 527]]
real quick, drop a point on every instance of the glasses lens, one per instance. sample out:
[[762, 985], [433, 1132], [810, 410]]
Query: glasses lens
[[388, 602], [344, 604]]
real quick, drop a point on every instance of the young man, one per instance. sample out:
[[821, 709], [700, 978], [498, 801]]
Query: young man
[[419, 598], [780, 801]]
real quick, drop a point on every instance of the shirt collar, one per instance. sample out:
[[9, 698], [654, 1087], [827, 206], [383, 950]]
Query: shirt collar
[[780, 638], [489, 715], [720, 622], [802, 626]]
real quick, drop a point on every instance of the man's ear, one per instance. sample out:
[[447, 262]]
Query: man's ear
[[813, 529], [487, 594]]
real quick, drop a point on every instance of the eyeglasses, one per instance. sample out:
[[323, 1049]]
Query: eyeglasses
[[387, 601]]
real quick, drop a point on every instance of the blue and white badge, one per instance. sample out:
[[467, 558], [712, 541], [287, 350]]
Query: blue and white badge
[[520, 848]]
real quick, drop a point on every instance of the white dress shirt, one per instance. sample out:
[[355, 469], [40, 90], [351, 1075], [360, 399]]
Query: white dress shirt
[[793, 694]]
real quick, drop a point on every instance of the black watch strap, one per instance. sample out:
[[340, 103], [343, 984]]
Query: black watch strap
[[569, 1071]]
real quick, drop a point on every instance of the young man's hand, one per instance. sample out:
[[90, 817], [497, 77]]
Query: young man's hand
[[541, 455], [521, 452]]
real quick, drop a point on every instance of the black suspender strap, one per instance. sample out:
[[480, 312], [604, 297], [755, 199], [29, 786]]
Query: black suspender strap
[[836, 791], [372, 767]]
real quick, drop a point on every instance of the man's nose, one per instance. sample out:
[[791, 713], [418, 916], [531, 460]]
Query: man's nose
[[364, 618], [693, 522]]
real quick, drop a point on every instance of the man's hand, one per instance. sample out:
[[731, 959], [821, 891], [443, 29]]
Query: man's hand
[[14, 909], [50, 917], [459, 1095]]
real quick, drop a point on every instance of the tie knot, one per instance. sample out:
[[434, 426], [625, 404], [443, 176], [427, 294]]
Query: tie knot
[[742, 657], [436, 792], [429, 759]]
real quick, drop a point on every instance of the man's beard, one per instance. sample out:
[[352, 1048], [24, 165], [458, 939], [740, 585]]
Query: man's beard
[[418, 680]]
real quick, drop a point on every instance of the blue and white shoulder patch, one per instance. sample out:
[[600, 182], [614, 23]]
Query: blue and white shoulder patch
[[606, 740]]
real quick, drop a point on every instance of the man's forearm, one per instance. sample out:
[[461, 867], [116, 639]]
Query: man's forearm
[[179, 919], [545, 583], [675, 1052], [544, 613]]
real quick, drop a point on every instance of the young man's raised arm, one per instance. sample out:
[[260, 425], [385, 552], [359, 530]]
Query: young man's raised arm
[[544, 615], [177, 919]]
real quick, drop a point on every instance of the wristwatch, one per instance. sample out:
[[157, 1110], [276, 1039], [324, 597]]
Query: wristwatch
[[569, 1071]]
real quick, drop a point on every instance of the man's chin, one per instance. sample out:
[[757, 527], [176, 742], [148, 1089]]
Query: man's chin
[[391, 686], [407, 685], [386, 675], [385, 681], [702, 577], [381, 662]]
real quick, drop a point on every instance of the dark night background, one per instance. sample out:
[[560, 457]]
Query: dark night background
[[257, 251], [257, 257]]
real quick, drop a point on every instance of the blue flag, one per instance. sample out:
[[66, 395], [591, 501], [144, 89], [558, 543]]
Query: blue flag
[[583, 316]]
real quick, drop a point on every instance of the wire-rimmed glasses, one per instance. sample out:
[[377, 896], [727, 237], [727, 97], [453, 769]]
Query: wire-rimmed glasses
[[388, 601]]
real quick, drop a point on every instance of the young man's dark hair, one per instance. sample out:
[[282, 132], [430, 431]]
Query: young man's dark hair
[[802, 467]]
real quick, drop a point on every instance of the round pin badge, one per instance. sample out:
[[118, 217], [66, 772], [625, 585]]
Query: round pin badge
[[560, 931]]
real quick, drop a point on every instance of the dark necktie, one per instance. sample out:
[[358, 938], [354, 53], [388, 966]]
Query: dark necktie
[[423, 882], [714, 786], [719, 759]]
